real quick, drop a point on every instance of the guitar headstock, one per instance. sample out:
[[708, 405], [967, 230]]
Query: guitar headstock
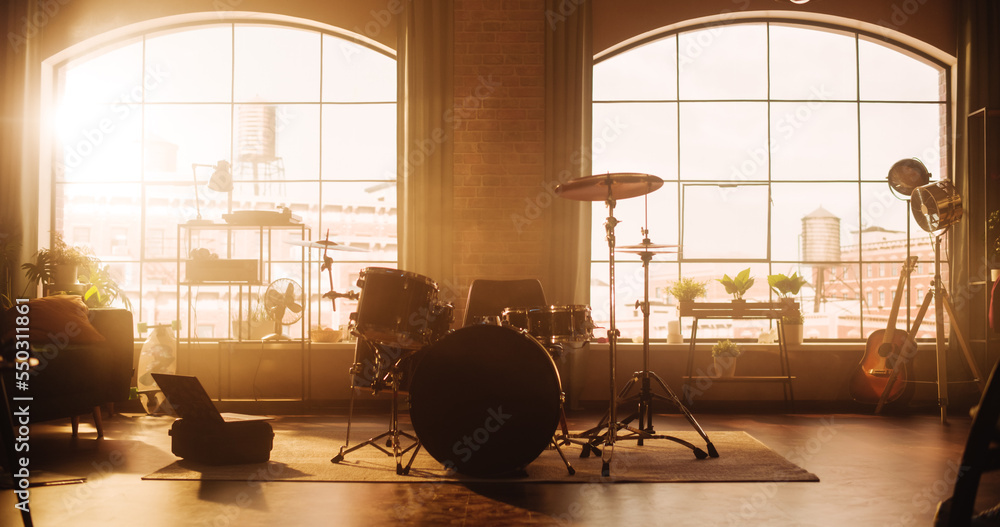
[[910, 264]]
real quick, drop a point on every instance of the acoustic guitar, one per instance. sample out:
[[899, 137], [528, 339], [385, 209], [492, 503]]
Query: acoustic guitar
[[882, 353]]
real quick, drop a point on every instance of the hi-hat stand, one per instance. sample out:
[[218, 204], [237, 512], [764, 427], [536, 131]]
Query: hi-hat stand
[[610, 188], [643, 378]]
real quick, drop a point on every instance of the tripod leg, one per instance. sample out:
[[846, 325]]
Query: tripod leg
[[687, 415]]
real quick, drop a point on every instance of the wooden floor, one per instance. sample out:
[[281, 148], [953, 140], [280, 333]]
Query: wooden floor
[[885, 471]]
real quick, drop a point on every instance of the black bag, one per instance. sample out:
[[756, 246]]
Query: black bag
[[229, 443]]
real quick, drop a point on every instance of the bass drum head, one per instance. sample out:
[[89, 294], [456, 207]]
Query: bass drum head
[[484, 400]]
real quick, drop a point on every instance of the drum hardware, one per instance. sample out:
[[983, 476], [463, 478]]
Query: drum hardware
[[610, 188], [393, 436], [645, 397]]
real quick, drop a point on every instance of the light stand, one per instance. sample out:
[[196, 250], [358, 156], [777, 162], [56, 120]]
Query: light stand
[[935, 207]]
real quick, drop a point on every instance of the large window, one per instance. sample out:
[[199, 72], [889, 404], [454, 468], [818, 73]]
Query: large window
[[306, 119], [774, 141]]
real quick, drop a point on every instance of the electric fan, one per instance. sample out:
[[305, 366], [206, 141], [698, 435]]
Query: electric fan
[[283, 304]]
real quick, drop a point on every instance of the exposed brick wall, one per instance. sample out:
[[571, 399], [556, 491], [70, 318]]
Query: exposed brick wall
[[499, 138]]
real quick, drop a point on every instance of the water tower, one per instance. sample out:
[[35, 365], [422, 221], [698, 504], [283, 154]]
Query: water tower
[[820, 246], [256, 154]]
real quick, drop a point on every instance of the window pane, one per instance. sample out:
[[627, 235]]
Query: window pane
[[657, 210], [648, 72], [888, 74], [724, 62], [354, 73], [102, 215], [810, 64], [362, 215], [179, 135], [276, 142], [881, 210], [275, 64], [890, 132], [100, 142], [725, 222], [814, 141], [811, 221], [635, 137], [724, 141], [359, 142], [194, 64], [114, 76]]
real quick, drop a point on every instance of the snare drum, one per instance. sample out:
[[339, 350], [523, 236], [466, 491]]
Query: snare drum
[[399, 308], [553, 324]]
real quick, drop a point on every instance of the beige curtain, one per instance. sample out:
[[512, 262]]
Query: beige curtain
[[978, 87], [18, 141], [568, 94], [426, 124]]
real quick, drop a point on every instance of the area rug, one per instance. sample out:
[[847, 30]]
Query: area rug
[[300, 456]]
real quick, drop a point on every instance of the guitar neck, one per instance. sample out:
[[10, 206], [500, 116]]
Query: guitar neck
[[897, 298]]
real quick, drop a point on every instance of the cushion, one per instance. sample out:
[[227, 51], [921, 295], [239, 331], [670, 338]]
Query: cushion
[[61, 320]]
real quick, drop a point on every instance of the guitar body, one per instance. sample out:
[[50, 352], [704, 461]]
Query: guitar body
[[872, 375]]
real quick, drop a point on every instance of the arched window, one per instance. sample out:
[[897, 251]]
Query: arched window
[[773, 139], [306, 118]]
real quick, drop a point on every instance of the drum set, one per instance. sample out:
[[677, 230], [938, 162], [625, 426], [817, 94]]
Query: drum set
[[486, 399]]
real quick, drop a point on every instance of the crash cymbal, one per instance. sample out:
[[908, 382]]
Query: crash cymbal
[[644, 247], [601, 187], [327, 244]]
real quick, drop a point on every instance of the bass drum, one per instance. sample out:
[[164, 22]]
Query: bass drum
[[485, 400]]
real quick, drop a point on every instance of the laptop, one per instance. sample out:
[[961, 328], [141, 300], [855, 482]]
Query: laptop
[[190, 400]]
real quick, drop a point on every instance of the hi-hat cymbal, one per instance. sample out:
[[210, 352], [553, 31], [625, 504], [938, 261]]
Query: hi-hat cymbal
[[601, 187], [655, 248], [327, 244]]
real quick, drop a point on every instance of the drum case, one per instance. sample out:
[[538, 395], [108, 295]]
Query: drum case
[[230, 443]]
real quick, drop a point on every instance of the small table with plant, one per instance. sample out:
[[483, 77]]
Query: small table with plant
[[738, 310]]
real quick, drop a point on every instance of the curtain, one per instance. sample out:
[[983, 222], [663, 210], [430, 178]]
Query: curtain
[[19, 105], [426, 122], [568, 94], [978, 87]]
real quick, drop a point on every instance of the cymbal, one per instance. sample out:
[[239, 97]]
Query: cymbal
[[644, 247], [327, 244], [600, 187]]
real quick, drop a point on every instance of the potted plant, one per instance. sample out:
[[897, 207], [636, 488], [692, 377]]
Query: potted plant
[[685, 290], [57, 266], [786, 287], [104, 288], [724, 354], [738, 285]]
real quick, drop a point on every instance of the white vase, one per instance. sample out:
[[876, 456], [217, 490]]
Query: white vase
[[725, 366], [793, 333]]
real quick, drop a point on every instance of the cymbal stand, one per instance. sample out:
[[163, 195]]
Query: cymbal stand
[[391, 436]]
